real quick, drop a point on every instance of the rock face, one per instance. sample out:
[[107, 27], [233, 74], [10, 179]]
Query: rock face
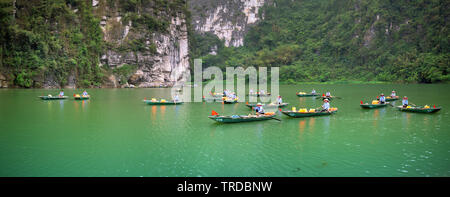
[[3, 83], [163, 54], [229, 20]]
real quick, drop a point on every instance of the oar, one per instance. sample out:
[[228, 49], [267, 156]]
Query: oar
[[392, 105], [276, 119]]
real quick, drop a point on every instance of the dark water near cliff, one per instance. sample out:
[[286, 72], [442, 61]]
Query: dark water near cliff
[[115, 134]]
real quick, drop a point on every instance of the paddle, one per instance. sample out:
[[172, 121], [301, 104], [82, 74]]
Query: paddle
[[276, 119], [392, 105]]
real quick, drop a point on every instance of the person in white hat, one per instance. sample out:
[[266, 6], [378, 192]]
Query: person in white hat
[[326, 105], [259, 109]]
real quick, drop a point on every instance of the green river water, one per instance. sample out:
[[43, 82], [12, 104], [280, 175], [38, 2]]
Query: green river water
[[116, 134]]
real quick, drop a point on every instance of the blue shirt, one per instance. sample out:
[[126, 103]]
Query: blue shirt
[[85, 93], [313, 91], [326, 106], [280, 100], [328, 94], [259, 109], [61, 94], [405, 102], [382, 99]]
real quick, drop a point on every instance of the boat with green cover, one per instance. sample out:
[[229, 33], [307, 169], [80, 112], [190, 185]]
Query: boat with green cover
[[307, 114], [53, 97], [269, 105], [302, 94], [241, 118], [373, 106], [150, 102], [419, 109]]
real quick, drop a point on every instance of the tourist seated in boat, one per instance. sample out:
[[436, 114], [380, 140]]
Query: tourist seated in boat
[[279, 100], [85, 93], [259, 109], [328, 94], [326, 105], [393, 95], [175, 98], [382, 99], [313, 91], [405, 102], [61, 94]]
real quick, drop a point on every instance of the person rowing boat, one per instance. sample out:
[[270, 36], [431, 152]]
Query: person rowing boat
[[405, 102], [61, 93], [382, 99], [393, 95], [259, 109], [279, 100], [325, 106]]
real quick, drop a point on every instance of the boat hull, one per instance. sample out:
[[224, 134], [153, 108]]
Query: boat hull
[[419, 110], [81, 98], [53, 98], [162, 103], [373, 106], [306, 114], [307, 95], [268, 105], [229, 119]]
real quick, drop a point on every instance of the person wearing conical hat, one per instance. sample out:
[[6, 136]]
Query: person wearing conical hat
[[405, 102], [259, 109], [393, 94], [326, 105], [279, 100], [382, 99]]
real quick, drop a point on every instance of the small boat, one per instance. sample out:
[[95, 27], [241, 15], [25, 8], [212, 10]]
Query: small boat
[[372, 106], [230, 101], [328, 97], [419, 109], [50, 97], [308, 114], [241, 118], [78, 97], [212, 99], [269, 105], [388, 98], [162, 102], [260, 95], [304, 94]]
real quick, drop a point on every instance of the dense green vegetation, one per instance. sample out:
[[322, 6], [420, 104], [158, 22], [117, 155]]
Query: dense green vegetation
[[353, 40], [46, 39]]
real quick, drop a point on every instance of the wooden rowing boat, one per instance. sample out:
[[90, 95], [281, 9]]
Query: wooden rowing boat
[[269, 105], [53, 97], [302, 94], [240, 118], [327, 97], [81, 97], [307, 114], [150, 102], [260, 95], [373, 106], [230, 101], [419, 109], [388, 98]]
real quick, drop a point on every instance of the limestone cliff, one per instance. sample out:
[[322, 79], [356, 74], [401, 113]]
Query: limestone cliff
[[151, 38], [229, 20]]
